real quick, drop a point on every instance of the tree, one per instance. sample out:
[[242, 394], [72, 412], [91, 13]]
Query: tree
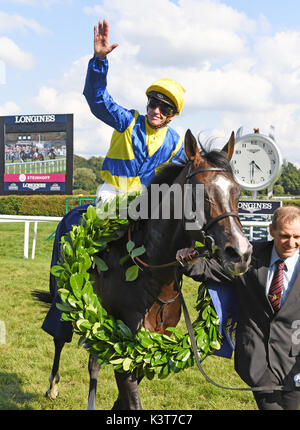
[[278, 190], [290, 179], [85, 179], [94, 164]]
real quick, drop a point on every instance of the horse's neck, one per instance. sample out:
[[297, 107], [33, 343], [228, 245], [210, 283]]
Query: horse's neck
[[163, 238]]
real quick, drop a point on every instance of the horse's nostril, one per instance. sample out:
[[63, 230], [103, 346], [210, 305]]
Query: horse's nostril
[[232, 254]]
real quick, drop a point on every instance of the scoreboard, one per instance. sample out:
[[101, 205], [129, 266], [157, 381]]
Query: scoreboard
[[36, 154]]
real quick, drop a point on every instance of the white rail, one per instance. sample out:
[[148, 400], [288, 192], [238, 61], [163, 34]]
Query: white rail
[[27, 219], [38, 166]]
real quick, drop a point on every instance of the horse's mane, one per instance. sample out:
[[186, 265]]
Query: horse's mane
[[169, 172], [218, 159]]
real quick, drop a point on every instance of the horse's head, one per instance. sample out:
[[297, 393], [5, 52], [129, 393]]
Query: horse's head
[[220, 224]]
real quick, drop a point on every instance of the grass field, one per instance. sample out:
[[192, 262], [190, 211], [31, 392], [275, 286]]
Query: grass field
[[27, 354]]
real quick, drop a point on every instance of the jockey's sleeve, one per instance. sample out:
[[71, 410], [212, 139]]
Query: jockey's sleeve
[[100, 101], [179, 157]]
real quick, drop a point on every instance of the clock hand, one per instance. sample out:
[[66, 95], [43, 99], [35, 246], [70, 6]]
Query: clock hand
[[258, 168], [251, 169]]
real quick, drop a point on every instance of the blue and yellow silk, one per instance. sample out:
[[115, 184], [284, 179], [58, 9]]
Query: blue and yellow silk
[[136, 150]]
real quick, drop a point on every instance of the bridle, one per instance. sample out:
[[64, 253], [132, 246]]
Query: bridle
[[206, 239]]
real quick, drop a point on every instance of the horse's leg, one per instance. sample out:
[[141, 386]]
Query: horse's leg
[[94, 368], [128, 391], [52, 392], [118, 405]]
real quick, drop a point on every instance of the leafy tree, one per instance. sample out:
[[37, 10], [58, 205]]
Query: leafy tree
[[278, 190], [94, 164], [290, 179], [85, 179]]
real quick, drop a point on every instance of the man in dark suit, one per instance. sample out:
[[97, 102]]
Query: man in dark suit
[[267, 347]]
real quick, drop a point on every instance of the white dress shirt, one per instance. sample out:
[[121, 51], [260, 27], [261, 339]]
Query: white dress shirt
[[289, 274]]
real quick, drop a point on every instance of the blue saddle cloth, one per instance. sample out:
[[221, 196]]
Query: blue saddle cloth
[[53, 324], [224, 300]]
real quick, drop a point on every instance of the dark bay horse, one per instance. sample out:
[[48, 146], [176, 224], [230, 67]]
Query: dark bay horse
[[139, 303]]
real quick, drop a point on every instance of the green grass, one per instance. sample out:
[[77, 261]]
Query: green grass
[[26, 357]]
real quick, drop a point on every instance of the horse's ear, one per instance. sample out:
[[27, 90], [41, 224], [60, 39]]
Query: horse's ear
[[191, 146], [229, 147]]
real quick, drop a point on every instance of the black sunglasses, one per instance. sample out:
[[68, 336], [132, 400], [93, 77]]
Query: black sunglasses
[[164, 107]]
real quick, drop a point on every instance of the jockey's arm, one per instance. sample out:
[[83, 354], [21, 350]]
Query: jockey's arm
[[100, 101]]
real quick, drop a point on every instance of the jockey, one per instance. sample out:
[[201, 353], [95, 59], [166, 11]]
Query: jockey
[[140, 143]]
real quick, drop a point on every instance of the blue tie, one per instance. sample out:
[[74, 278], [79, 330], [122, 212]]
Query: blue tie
[[276, 287]]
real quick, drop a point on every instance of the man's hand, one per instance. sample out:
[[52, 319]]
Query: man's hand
[[186, 256], [102, 46]]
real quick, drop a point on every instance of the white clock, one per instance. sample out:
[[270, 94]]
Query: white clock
[[256, 161]]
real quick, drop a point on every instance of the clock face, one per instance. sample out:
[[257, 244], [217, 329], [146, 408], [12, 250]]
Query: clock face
[[256, 162]]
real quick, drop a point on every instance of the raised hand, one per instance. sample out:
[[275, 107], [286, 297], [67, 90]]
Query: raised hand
[[102, 46]]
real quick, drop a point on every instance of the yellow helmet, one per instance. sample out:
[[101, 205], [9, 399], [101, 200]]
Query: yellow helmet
[[172, 91]]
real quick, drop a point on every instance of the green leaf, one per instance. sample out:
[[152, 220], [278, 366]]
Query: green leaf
[[65, 307], [215, 344], [164, 372], [132, 273], [126, 363], [91, 213], [118, 347], [63, 292], [66, 317], [101, 265], [76, 282], [178, 334], [68, 249], [56, 270], [125, 331], [204, 314], [183, 355], [138, 251], [130, 245], [117, 361], [83, 325]]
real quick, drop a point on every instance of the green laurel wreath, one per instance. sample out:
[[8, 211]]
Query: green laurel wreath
[[110, 340]]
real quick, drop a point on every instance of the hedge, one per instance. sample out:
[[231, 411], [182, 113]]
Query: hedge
[[40, 205], [290, 202]]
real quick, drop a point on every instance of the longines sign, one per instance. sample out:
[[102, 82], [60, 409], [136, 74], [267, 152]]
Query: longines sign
[[34, 118], [36, 153], [258, 207]]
